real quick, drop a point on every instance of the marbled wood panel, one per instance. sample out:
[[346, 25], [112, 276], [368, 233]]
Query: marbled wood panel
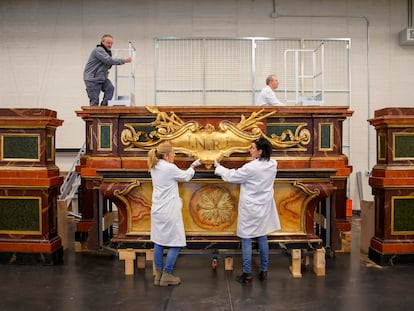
[[290, 203], [402, 176], [21, 122], [395, 216], [45, 222], [105, 136], [27, 113], [20, 215], [403, 214], [28, 118], [394, 113], [395, 130], [27, 147], [210, 207], [23, 147], [20, 146], [30, 177]]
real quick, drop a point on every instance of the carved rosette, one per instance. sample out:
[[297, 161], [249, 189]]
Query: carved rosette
[[213, 208]]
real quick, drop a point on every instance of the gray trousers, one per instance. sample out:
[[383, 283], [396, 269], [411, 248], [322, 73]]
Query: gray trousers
[[93, 89]]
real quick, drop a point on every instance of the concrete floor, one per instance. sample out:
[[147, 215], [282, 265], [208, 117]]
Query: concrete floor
[[96, 281]]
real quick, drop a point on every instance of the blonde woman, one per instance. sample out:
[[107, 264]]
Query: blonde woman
[[167, 227]]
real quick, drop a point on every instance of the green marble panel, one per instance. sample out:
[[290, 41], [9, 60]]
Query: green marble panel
[[25, 147], [20, 214], [325, 136], [403, 214], [404, 146], [105, 136]]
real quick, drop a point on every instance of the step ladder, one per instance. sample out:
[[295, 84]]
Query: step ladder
[[70, 184], [68, 192], [128, 99]]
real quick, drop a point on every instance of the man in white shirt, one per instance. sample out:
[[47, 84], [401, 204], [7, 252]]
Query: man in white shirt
[[267, 96]]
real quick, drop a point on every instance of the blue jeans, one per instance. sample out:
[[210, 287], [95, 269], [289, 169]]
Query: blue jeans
[[171, 257], [93, 89], [247, 253]]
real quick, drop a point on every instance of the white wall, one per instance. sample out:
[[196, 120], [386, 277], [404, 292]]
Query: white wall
[[44, 45]]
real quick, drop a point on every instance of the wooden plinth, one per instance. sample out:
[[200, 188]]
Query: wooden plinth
[[30, 252], [392, 182], [29, 187]]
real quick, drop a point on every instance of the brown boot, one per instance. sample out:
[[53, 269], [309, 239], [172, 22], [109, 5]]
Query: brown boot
[[157, 277], [169, 279]]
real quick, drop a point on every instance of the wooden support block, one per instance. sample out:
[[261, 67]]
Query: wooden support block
[[296, 263], [228, 263], [141, 262], [78, 246], [346, 235], [129, 256], [346, 240], [149, 255], [319, 262]]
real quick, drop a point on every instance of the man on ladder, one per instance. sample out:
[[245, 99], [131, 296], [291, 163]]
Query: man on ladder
[[96, 71]]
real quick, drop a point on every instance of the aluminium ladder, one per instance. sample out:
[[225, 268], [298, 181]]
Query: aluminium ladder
[[124, 100]]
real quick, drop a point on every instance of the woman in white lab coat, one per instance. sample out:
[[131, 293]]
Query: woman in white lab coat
[[257, 213], [167, 227]]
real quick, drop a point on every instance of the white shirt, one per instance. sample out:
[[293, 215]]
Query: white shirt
[[268, 97], [167, 226], [257, 213]]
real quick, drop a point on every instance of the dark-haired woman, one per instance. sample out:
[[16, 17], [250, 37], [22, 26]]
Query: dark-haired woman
[[257, 213]]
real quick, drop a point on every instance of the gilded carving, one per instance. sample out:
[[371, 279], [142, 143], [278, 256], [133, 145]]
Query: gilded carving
[[207, 143], [213, 208], [300, 138]]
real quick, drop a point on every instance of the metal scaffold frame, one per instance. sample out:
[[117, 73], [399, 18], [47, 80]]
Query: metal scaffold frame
[[304, 95]]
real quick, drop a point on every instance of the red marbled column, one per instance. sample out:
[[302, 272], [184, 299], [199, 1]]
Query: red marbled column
[[392, 182], [29, 187]]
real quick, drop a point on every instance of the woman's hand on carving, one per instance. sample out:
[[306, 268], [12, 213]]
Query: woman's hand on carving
[[196, 163]]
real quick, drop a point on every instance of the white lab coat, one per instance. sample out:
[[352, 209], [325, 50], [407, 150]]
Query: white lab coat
[[267, 97], [257, 213], [167, 227]]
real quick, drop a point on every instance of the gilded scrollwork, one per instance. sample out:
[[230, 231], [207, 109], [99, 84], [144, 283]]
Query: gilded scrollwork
[[301, 137], [205, 142]]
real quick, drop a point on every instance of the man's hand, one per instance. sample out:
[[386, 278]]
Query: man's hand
[[127, 59]]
